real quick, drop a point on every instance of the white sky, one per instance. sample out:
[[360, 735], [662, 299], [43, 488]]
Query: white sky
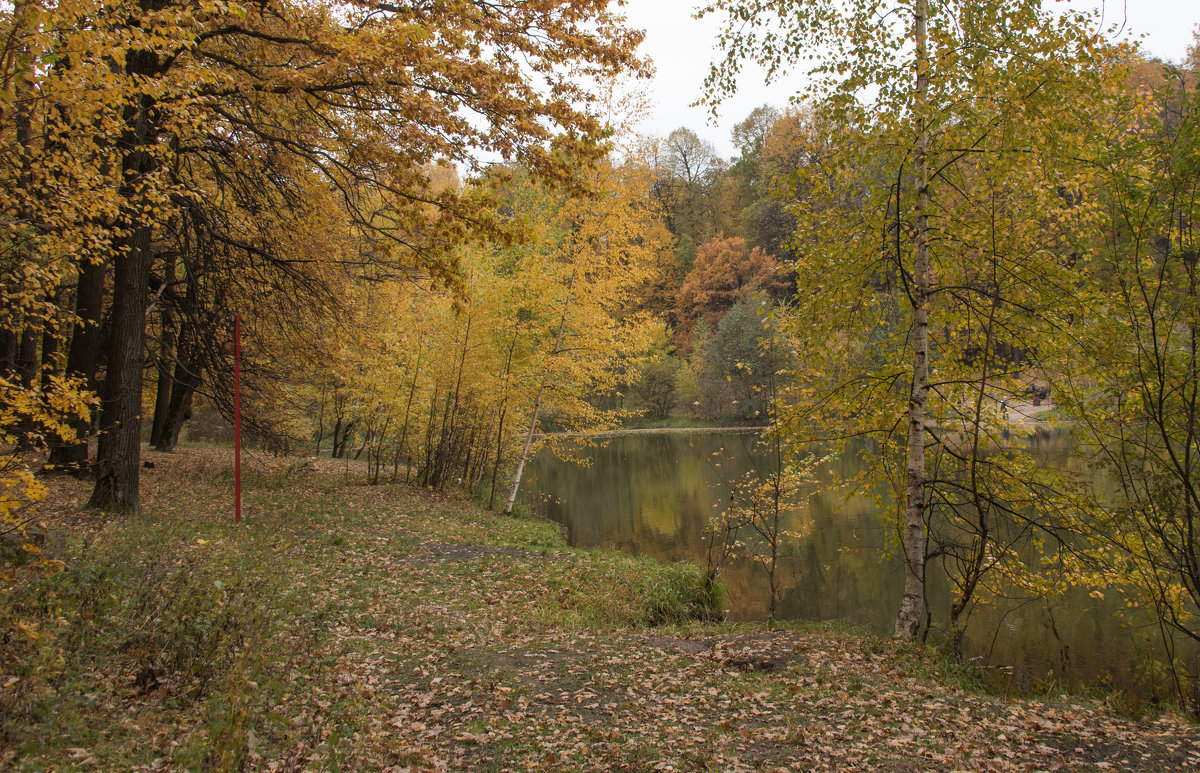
[[682, 49]]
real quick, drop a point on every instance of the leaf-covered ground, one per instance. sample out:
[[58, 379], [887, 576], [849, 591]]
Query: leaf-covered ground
[[347, 627]]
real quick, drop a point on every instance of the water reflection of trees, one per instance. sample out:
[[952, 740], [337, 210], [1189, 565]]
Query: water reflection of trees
[[653, 494]]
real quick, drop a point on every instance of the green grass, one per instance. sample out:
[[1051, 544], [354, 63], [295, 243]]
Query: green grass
[[1059, 415]]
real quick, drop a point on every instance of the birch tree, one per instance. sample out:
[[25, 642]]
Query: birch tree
[[913, 105], [1131, 364], [580, 272]]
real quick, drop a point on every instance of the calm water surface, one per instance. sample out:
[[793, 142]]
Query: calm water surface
[[652, 494]]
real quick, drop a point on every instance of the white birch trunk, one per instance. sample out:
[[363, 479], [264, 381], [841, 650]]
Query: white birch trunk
[[912, 605]]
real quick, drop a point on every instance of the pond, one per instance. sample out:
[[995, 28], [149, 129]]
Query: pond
[[653, 493]]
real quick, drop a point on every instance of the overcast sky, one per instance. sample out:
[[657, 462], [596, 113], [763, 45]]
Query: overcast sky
[[682, 49]]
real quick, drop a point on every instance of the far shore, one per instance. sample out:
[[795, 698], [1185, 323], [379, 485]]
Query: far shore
[[1022, 415]]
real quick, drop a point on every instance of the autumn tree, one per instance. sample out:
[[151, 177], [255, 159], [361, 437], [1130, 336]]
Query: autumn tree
[[1129, 364], [691, 174], [741, 365], [362, 96], [38, 244], [888, 304], [795, 141], [452, 386], [725, 273], [759, 177], [587, 261]]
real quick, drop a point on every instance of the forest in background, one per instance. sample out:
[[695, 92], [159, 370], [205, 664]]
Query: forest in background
[[1012, 208]]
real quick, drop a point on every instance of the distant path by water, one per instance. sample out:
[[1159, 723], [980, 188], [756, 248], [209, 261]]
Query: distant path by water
[[1022, 414], [660, 431]]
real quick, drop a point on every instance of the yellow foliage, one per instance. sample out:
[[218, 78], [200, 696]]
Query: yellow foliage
[[28, 417]]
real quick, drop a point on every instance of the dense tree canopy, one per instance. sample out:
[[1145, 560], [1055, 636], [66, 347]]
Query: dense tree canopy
[[151, 131]]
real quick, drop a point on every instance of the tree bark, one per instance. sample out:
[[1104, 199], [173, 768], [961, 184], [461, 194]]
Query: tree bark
[[27, 370], [912, 605], [119, 455], [412, 391], [184, 383], [337, 429], [321, 421], [533, 422], [181, 410], [166, 358], [8, 352], [71, 454], [50, 343], [119, 451], [339, 446], [503, 409]]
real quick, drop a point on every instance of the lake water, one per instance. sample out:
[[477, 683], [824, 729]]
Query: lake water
[[653, 493]]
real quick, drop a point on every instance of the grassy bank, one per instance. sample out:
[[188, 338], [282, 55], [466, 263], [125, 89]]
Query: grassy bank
[[346, 627]]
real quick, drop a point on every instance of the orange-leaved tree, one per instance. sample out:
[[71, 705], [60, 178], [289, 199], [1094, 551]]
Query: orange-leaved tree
[[725, 272]]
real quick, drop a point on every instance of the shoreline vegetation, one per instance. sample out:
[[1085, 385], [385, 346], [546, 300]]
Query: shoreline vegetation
[[353, 627], [1021, 415], [666, 428]]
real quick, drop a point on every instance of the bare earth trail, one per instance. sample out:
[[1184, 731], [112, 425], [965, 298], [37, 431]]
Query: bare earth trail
[[412, 631]]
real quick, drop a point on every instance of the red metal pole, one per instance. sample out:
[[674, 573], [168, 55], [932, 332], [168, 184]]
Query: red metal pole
[[237, 417]]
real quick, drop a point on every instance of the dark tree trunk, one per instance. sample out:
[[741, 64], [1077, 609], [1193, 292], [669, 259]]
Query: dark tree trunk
[[339, 444], [27, 359], [184, 384], [337, 430], [119, 454], [181, 410], [164, 389], [27, 368], [321, 421], [496, 463], [164, 362], [8, 353], [71, 454], [50, 345], [433, 412], [179, 406]]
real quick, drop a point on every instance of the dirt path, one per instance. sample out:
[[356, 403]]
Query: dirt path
[[1024, 415]]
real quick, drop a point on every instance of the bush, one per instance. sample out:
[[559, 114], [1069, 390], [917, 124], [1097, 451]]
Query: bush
[[142, 615], [737, 364], [655, 393], [675, 594], [185, 624]]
